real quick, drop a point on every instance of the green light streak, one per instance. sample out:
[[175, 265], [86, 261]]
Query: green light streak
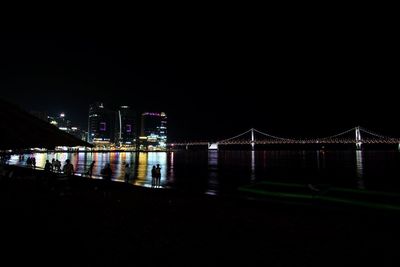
[[321, 197], [333, 189]]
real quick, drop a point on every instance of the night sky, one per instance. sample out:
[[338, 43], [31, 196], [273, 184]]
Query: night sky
[[292, 79]]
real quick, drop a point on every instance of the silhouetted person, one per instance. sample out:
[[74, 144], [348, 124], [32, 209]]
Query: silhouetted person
[[68, 168], [107, 172], [53, 164], [4, 158], [153, 176], [90, 172], [34, 162], [47, 166], [57, 165], [47, 173], [29, 162], [127, 172], [158, 175]]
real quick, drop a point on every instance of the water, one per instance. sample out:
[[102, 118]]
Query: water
[[220, 172]]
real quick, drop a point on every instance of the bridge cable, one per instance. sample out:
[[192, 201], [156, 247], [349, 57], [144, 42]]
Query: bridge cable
[[336, 135], [375, 134], [275, 137], [228, 139]]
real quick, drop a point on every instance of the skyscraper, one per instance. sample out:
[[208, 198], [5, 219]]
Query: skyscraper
[[101, 125], [126, 134], [63, 123], [153, 134]]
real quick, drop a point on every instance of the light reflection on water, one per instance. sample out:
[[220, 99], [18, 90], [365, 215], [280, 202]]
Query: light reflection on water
[[215, 171], [360, 169], [146, 161], [253, 166], [140, 164]]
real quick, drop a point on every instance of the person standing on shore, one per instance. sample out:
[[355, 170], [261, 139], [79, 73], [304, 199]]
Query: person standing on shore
[[153, 176], [58, 165], [47, 167], [158, 175], [68, 168], [34, 162], [91, 168], [29, 162], [107, 172], [127, 172]]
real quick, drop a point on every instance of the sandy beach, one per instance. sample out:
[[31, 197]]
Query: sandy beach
[[84, 222]]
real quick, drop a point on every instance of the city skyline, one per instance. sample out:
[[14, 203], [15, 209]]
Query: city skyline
[[120, 128], [290, 85], [273, 130]]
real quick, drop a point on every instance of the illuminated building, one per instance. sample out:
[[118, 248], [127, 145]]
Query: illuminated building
[[62, 122], [101, 125], [153, 134], [65, 125], [78, 133], [126, 134]]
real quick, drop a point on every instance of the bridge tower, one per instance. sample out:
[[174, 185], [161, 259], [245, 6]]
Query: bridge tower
[[252, 139], [212, 146], [358, 138]]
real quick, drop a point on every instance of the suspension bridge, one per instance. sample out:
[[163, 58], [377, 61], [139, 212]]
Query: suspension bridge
[[357, 136]]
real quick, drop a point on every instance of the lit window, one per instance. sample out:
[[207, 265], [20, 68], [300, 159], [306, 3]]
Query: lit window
[[103, 126]]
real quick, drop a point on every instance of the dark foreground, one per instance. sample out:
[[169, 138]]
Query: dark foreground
[[89, 223]]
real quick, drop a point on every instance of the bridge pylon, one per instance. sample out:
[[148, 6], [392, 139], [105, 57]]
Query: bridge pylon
[[212, 146], [358, 138]]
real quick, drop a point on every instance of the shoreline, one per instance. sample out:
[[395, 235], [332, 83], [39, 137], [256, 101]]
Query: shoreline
[[263, 191], [90, 222], [194, 149], [85, 151]]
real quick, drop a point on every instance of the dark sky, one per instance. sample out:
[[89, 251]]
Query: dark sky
[[288, 78]]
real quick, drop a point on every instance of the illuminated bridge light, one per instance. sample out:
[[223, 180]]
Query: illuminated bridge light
[[335, 139]]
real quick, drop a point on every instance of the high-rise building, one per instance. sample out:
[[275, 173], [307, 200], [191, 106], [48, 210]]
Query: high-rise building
[[153, 134], [101, 125], [78, 133], [64, 124], [126, 134]]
